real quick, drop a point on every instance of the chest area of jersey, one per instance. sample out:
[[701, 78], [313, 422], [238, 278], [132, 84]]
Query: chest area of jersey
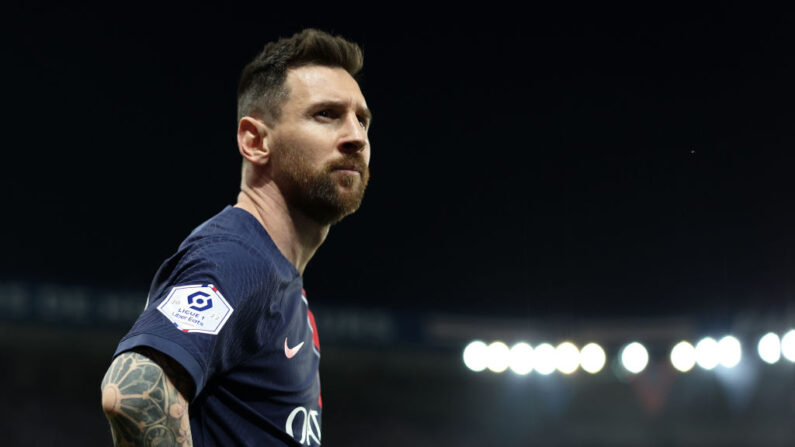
[[297, 332], [290, 354]]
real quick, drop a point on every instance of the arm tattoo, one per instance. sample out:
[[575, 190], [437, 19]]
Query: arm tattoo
[[142, 403]]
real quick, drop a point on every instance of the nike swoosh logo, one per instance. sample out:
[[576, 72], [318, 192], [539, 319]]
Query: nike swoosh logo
[[291, 352]]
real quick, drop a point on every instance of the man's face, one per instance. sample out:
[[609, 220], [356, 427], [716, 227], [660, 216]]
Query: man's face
[[320, 149]]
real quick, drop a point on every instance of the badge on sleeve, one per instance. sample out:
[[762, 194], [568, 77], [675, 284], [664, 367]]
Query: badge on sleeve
[[197, 308]]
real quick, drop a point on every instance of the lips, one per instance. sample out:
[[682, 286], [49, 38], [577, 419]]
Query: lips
[[349, 166]]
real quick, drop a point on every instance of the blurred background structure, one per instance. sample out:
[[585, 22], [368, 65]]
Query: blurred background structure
[[583, 175], [405, 378]]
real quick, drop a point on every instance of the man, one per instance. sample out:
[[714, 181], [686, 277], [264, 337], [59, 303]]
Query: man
[[226, 351]]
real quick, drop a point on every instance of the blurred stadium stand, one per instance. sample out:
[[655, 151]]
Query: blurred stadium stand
[[397, 379]]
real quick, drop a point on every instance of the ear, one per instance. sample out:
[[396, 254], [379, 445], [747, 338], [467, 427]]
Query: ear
[[252, 140]]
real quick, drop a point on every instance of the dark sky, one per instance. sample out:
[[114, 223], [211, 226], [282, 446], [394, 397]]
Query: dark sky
[[540, 162]]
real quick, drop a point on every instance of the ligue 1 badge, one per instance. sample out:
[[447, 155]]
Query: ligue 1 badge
[[197, 308]]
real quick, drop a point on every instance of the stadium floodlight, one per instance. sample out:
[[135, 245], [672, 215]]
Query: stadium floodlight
[[707, 353], [567, 357], [769, 348], [521, 358], [475, 356], [544, 359], [683, 356], [634, 357], [498, 357], [592, 358], [788, 345], [730, 351]]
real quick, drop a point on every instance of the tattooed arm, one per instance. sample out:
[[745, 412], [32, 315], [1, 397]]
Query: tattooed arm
[[145, 397]]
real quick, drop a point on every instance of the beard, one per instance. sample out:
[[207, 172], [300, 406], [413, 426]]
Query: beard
[[321, 195]]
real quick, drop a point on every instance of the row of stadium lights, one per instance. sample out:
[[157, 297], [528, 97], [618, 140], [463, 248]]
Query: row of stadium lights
[[567, 358]]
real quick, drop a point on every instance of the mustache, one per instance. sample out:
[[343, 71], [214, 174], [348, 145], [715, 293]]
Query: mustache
[[352, 162]]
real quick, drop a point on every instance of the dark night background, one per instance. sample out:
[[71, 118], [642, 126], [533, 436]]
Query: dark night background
[[573, 164], [586, 161]]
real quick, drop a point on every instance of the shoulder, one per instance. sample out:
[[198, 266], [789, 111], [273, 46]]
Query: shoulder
[[234, 235], [231, 251], [229, 257], [229, 265], [230, 240]]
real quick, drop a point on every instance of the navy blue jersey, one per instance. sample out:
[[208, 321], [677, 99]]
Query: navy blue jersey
[[230, 308]]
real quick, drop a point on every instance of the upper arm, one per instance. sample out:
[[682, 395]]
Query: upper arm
[[174, 372], [145, 395]]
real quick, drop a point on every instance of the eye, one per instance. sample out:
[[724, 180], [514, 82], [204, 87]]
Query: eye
[[326, 114], [363, 122]]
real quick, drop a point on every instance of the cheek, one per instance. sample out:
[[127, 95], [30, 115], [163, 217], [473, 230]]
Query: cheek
[[308, 145]]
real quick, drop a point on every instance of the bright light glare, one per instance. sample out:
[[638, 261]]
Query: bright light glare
[[730, 352], [544, 359], [592, 358], [634, 357], [498, 357], [707, 354], [521, 358], [683, 356], [769, 348], [567, 357], [475, 356], [788, 345]]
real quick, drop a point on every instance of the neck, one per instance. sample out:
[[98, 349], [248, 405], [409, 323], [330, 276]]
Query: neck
[[296, 236]]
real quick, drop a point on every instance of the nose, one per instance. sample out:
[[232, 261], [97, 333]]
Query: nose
[[354, 138]]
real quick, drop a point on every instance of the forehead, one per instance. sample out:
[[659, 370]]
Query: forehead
[[316, 83]]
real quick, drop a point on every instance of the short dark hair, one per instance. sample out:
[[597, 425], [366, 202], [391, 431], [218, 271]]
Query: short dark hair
[[262, 92]]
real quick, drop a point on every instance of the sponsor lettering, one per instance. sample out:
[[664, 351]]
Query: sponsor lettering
[[309, 429], [188, 316]]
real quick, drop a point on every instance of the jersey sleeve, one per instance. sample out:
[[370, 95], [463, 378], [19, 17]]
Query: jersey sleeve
[[207, 309]]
